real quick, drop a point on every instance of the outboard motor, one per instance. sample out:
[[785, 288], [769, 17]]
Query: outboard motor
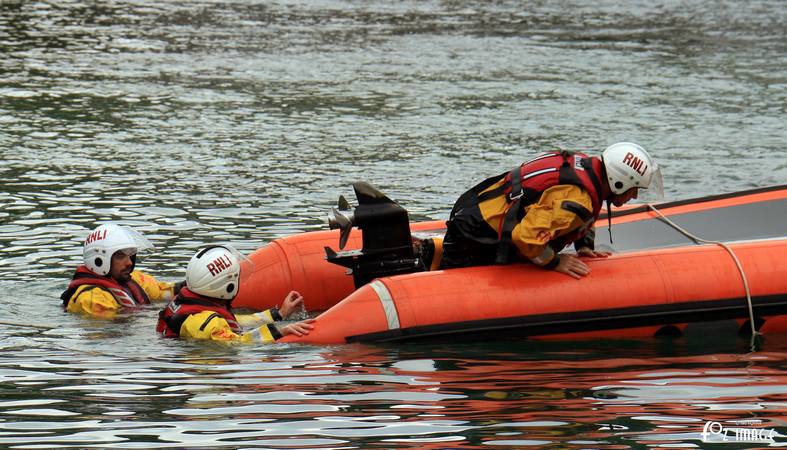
[[385, 227]]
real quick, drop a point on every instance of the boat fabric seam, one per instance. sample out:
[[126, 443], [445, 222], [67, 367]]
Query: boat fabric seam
[[391, 316], [289, 272]]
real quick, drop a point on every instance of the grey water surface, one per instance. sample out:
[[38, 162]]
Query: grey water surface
[[243, 121]]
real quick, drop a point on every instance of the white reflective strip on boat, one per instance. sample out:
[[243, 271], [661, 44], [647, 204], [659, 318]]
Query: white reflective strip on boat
[[388, 304]]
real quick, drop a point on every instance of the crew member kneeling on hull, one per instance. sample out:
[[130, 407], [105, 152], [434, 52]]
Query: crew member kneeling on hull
[[202, 309], [107, 283], [535, 210]]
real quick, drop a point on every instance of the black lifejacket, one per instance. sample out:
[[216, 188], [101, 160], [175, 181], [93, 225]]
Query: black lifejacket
[[470, 240], [186, 303], [129, 294]]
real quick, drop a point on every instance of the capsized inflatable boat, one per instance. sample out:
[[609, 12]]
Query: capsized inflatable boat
[[658, 280]]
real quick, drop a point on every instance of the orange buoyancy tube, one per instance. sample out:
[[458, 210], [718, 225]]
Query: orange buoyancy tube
[[623, 292]]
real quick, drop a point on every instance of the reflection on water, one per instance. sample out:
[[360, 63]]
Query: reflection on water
[[198, 122], [87, 387]]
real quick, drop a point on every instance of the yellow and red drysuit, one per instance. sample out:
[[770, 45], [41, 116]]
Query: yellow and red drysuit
[[532, 212], [195, 316], [101, 296]]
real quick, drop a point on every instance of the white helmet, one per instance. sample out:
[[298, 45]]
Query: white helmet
[[630, 166], [107, 239], [215, 271]]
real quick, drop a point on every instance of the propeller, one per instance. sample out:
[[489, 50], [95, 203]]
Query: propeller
[[342, 218]]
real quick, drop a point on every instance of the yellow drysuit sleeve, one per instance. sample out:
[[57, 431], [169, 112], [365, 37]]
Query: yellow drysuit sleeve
[[208, 325], [543, 221], [546, 220], [267, 316]]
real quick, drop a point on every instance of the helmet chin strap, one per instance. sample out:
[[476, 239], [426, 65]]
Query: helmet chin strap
[[609, 208], [609, 220]]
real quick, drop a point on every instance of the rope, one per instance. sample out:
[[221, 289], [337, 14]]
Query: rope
[[754, 332]]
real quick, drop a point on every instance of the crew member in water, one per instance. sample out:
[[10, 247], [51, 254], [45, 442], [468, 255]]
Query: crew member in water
[[107, 283], [532, 212], [203, 309]]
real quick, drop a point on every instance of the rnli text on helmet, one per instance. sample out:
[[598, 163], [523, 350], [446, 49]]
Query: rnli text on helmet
[[219, 265], [96, 236], [635, 163]]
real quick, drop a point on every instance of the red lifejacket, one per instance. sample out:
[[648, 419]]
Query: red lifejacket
[[129, 294], [187, 303], [554, 168], [469, 239]]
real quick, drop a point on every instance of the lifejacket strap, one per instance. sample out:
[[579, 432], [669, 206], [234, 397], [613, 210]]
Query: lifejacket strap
[[580, 211], [207, 321], [515, 179], [587, 164], [504, 250]]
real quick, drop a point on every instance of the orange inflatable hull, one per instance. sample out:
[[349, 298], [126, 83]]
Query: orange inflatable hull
[[655, 289], [623, 292]]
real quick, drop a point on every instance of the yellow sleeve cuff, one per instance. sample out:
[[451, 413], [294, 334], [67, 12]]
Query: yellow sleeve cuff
[[266, 334]]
